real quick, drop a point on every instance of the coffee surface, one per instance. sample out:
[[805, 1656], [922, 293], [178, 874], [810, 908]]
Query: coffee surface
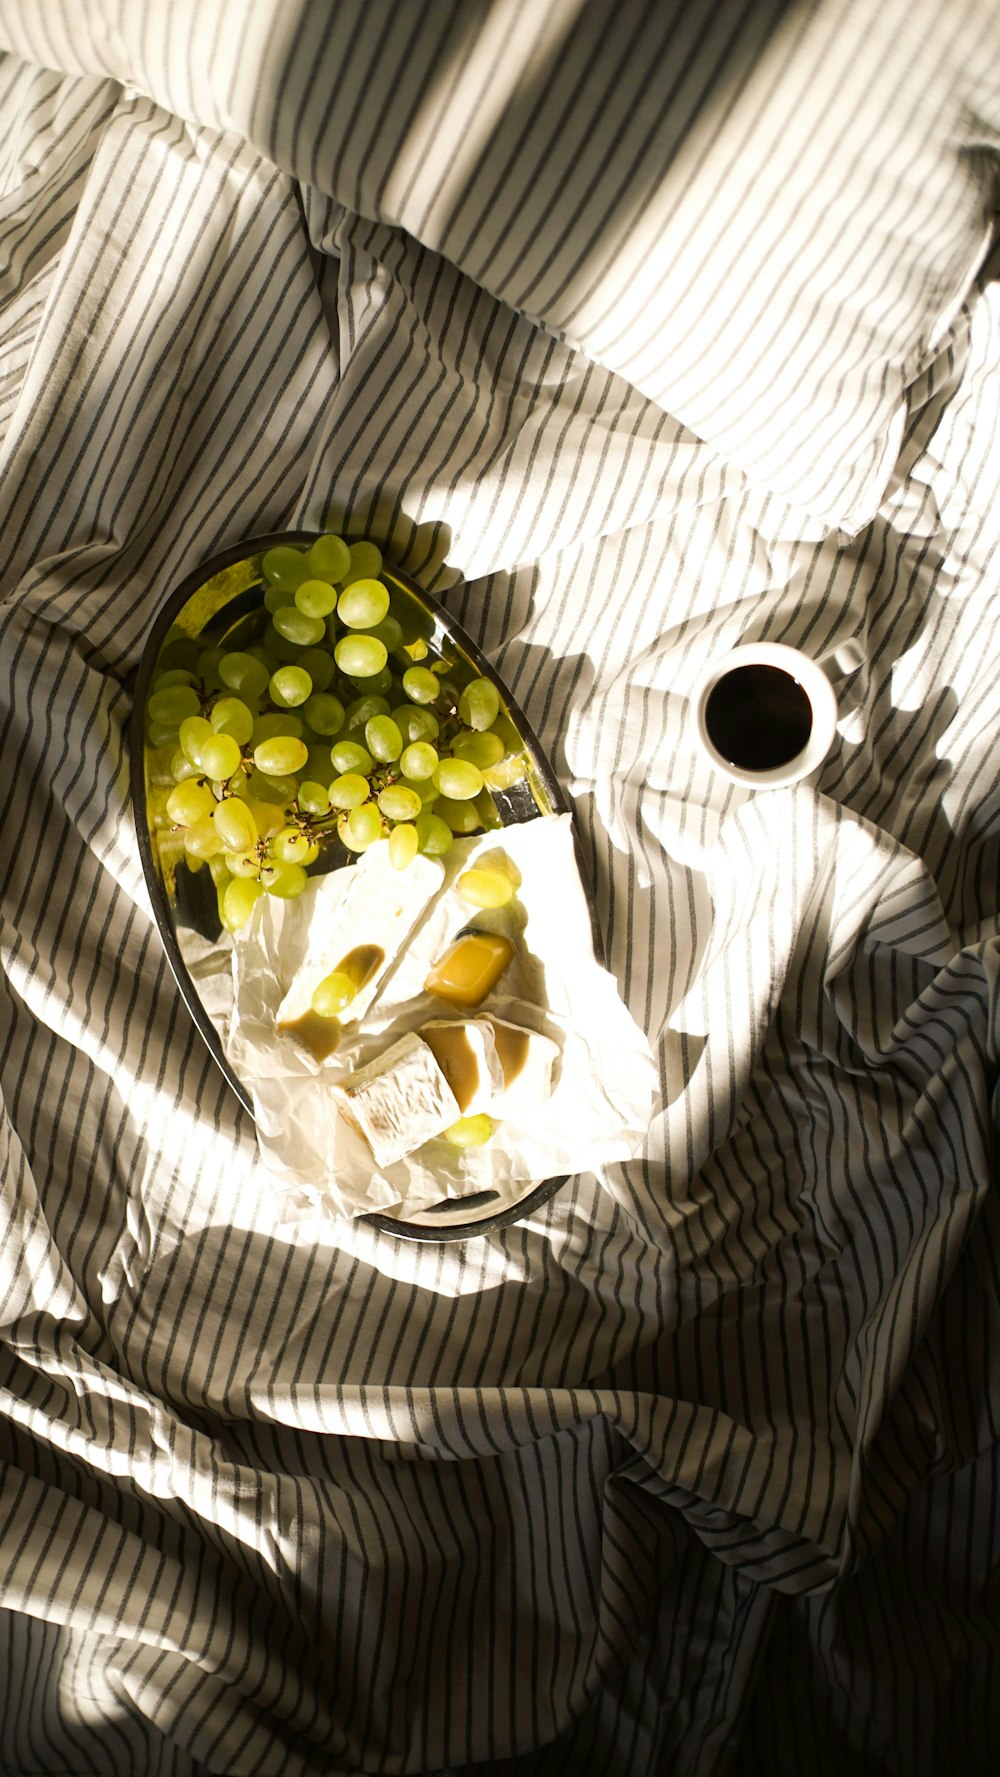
[[758, 717]]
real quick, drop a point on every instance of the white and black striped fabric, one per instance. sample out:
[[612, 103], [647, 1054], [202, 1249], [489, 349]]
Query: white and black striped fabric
[[695, 1472]]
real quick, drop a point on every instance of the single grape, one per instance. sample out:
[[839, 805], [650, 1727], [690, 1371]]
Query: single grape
[[316, 598], [275, 723], [220, 757], [230, 715], [403, 843], [170, 706], [239, 899], [420, 684], [277, 597], [201, 839], [385, 743], [161, 734], [458, 779], [363, 604], [344, 834], [289, 687], [181, 767], [319, 665], [470, 1132], [364, 708], [207, 667], [347, 755], [424, 787], [461, 817], [235, 824], [219, 870], [313, 798], [479, 704], [349, 790], [416, 724], [389, 632], [284, 880], [364, 824], [243, 673], [279, 757], [364, 563], [319, 768], [372, 682], [311, 854], [334, 993], [329, 558], [360, 656], [482, 750], [194, 732], [284, 566], [398, 803], [290, 845], [434, 836], [269, 798], [323, 712], [278, 650], [175, 675], [191, 801], [485, 888], [296, 627], [242, 863], [419, 759]]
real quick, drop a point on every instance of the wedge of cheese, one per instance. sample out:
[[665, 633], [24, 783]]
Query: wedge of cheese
[[466, 1053], [527, 1061], [399, 1100], [376, 914]]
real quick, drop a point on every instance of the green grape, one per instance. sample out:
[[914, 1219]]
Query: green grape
[[181, 767], [284, 566], [169, 707], [272, 788], [372, 682], [458, 779], [242, 863], [419, 759], [175, 675], [347, 755], [220, 757], [279, 757], [349, 790], [218, 870], [364, 708], [424, 787], [365, 562], [319, 665], [316, 598], [239, 899], [277, 597], [324, 712], [289, 687], [207, 664], [485, 888], [470, 1132], [243, 673], [344, 835], [189, 802], [482, 750], [333, 995], [290, 845], [420, 684], [235, 824], [194, 732], [362, 604], [385, 743], [313, 798], [416, 724], [230, 715], [479, 704], [388, 631], [329, 558], [403, 843], [319, 768], [161, 734], [447, 697], [434, 836], [296, 627], [278, 650], [364, 824], [461, 817], [311, 854], [284, 880], [416, 650], [275, 723], [360, 656], [398, 803], [179, 650], [201, 839]]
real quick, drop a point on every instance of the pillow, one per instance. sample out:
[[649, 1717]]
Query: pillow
[[764, 214]]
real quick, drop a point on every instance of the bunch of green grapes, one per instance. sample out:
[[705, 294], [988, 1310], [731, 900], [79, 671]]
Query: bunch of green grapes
[[328, 729]]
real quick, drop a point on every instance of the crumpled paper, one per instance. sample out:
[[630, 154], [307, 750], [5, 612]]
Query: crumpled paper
[[606, 1081]]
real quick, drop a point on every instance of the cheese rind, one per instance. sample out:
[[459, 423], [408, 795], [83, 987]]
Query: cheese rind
[[398, 1101], [466, 1053]]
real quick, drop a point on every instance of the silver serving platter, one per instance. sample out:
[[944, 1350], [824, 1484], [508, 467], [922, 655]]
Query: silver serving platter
[[222, 601]]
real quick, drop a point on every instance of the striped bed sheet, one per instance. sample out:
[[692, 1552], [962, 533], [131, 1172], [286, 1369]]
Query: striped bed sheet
[[695, 1471]]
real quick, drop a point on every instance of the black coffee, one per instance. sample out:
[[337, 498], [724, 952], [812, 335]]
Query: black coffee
[[758, 717]]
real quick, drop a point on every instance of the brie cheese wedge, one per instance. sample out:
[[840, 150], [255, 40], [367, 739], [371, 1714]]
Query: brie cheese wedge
[[399, 1100], [466, 1053], [527, 1060]]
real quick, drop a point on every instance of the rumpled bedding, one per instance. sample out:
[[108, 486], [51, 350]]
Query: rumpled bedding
[[694, 1471]]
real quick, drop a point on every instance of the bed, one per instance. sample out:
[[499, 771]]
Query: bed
[[630, 333]]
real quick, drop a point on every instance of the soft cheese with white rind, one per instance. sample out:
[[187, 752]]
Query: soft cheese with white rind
[[466, 1053], [399, 1100], [380, 907], [527, 1060]]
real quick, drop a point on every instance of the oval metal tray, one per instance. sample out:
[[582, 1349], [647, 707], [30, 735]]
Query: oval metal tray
[[221, 601]]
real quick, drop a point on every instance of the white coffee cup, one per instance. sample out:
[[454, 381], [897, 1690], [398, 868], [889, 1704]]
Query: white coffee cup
[[765, 715]]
